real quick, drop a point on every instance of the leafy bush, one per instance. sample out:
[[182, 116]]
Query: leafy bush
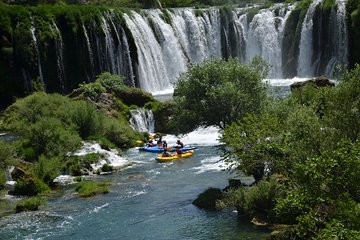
[[48, 136], [88, 189], [255, 201], [75, 165], [119, 132], [30, 186], [28, 204], [134, 96], [107, 168], [86, 119], [218, 92], [47, 169]]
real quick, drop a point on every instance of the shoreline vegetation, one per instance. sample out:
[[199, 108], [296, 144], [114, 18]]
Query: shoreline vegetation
[[50, 126], [303, 151]]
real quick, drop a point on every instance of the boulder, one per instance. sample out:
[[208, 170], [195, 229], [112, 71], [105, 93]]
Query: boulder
[[207, 200], [318, 82], [17, 173]]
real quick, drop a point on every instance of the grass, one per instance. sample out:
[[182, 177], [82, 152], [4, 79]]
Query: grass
[[89, 189], [28, 204]]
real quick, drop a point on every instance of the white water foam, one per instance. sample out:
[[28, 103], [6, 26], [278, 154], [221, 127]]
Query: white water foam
[[97, 209], [284, 82], [64, 179], [208, 136], [210, 164], [164, 92], [110, 157]]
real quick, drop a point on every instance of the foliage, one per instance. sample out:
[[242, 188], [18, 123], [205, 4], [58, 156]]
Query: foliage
[[75, 165], [255, 141], [255, 201], [208, 199], [316, 138], [49, 137], [341, 172], [218, 92], [107, 168], [163, 115], [86, 119], [88, 189], [30, 185], [134, 96], [47, 169], [28, 204]]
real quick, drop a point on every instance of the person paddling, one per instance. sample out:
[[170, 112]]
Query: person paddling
[[179, 147]]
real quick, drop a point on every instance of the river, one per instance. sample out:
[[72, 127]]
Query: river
[[148, 200]]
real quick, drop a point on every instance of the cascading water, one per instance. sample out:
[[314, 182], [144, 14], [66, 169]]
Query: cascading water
[[151, 66], [264, 37], [199, 36], [339, 41], [32, 30], [88, 44], [142, 120], [59, 45], [305, 65], [152, 47], [174, 59]]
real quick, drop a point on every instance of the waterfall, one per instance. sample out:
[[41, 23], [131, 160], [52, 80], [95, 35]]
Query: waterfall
[[164, 49], [174, 59], [305, 66], [59, 45], [110, 46], [10, 183], [151, 68], [152, 47], [127, 61], [142, 120], [32, 30], [339, 41], [199, 36], [88, 44], [264, 37]]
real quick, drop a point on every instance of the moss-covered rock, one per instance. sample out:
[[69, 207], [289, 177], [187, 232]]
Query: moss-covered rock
[[134, 96], [207, 200], [163, 115], [318, 82], [28, 204], [88, 189]]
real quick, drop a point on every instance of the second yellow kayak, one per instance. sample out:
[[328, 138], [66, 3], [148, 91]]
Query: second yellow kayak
[[186, 154]]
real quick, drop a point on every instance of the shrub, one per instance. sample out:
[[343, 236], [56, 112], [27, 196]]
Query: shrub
[[255, 201], [134, 96], [28, 204], [107, 168], [88, 189], [75, 165], [119, 132], [47, 169], [49, 136], [30, 186], [86, 119]]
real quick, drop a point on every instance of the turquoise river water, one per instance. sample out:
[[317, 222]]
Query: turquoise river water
[[149, 200]]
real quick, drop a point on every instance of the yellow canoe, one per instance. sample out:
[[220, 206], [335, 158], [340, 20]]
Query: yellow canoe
[[186, 154]]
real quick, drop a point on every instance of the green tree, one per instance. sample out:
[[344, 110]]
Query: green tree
[[218, 92]]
